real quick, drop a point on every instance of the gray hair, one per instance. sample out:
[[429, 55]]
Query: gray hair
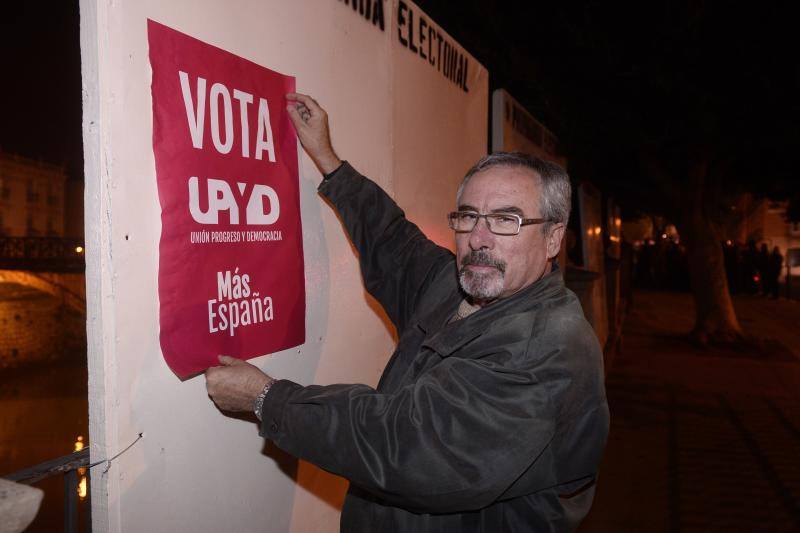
[[556, 199]]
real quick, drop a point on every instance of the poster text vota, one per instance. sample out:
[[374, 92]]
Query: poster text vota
[[244, 198]]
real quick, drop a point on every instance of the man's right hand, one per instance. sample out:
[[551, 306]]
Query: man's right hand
[[311, 123]]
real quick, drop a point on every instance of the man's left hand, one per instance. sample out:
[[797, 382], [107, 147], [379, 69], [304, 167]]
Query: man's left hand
[[235, 385]]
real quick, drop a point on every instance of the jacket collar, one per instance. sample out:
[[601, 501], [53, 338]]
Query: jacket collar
[[445, 338]]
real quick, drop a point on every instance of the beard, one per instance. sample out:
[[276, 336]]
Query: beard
[[482, 285]]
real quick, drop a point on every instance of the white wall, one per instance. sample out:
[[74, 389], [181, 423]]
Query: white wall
[[512, 135], [394, 116], [508, 138], [591, 217]]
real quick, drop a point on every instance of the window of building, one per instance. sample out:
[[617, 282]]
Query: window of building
[[52, 199], [32, 196], [5, 189], [30, 228]]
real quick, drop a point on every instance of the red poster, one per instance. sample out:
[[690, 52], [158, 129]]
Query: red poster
[[230, 277]]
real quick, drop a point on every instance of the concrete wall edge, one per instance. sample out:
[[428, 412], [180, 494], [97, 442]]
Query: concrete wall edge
[[99, 294]]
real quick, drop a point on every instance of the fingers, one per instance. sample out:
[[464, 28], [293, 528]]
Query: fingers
[[299, 110], [305, 113], [305, 100], [226, 360], [294, 116], [310, 121], [210, 379], [305, 105]]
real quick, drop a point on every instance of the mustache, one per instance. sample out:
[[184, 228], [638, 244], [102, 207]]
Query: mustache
[[483, 258]]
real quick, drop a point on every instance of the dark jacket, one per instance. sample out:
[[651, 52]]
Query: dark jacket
[[495, 422]]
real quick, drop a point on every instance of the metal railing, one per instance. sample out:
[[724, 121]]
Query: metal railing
[[42, 254], [68, 466]]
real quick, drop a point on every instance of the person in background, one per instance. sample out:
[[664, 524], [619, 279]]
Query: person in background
[[750, 268], [774, 270], [762, 264]]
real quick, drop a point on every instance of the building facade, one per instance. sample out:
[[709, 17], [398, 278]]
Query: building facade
[[31, 197], [764, 221]]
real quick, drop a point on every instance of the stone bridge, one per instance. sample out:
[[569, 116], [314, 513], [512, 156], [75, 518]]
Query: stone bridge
[[42, 318], [53, 265], [42, 254], [69, 288]]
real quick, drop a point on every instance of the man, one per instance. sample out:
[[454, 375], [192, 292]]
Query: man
[[491, 415]]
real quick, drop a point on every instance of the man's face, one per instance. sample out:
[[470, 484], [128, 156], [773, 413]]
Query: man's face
[[496, 266]]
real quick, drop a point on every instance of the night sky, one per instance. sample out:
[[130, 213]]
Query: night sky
[[41, 89], [637, 91], [622, 84]]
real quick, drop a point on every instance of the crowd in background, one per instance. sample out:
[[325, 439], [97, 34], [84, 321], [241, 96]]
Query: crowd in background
[[663, 264], [753, 270]]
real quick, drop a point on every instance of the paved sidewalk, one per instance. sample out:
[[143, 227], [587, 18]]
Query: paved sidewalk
[[702, 440]]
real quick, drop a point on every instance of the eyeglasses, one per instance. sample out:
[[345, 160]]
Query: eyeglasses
[[498, 223]]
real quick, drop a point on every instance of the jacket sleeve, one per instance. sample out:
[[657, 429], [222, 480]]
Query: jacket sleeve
[[396, 258], [452, 441]]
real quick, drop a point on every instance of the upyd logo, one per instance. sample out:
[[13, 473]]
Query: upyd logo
[[221, 197]]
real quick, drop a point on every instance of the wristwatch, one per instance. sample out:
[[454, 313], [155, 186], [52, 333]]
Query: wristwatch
[[258, 405]]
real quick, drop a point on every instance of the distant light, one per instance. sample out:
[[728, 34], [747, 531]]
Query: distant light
[[82, 488], [79, 445], [663, 235], [589, 232], [597, 230], [728, 242], [79, 249], [756, 278], [617, 221]]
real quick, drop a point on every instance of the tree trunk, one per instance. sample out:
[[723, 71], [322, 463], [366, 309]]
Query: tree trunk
[[715, 317]]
